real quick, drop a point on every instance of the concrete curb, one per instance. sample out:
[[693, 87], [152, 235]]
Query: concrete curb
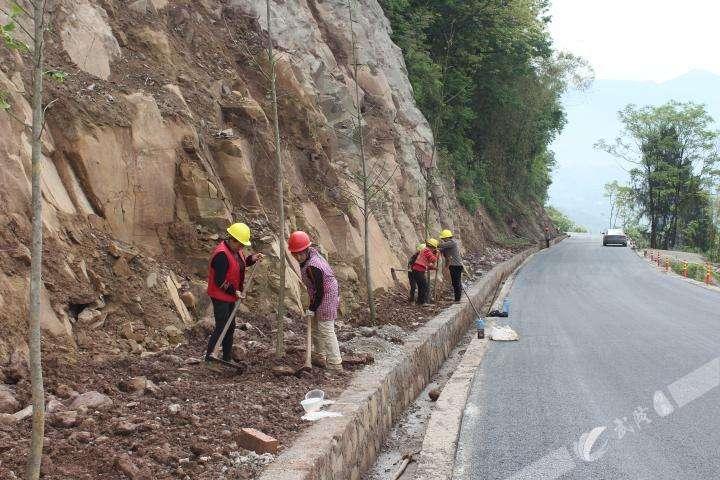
[[344, 447], [437, 458]]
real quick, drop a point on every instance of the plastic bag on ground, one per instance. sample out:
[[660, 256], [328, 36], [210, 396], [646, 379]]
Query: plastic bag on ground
[[503, 334], [313, 416]]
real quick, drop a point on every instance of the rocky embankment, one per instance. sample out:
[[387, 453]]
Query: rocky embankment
[[160, 137]]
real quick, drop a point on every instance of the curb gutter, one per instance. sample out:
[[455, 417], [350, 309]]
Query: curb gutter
[[437, 457], [344, 447]]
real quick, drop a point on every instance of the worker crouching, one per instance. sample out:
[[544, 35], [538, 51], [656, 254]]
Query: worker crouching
[[424, 262], [324, 293], [226, 280]]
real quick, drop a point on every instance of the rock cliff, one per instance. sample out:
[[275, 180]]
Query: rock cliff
[[160, 137]]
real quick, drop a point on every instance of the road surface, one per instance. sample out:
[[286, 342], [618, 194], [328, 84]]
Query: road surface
[[608, 345]]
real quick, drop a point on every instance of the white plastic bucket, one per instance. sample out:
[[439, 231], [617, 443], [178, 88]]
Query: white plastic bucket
[[312, 404], [315, 394]]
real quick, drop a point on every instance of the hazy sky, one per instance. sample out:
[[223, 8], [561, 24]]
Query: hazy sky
[[640, 39]]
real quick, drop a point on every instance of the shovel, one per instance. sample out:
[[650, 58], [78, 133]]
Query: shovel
[[393, 272], [230, 319], [481, 332], [308, 347]]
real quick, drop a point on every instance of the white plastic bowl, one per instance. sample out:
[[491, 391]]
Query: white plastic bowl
[[315, 394], [311, 404]]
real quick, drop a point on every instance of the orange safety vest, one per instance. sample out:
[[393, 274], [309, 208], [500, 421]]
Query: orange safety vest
[[235, 275], [425, 260]]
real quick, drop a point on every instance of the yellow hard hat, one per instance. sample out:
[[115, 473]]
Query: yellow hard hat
[[420, 246], [240, 232], [432, 242], [445, 234]]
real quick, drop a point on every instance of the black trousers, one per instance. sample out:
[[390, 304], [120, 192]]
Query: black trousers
[[222, 312], [413, 285], [422, 286], [456, 277]]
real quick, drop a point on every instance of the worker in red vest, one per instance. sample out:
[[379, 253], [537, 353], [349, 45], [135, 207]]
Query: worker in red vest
[[411, 278], [226, 279], [425, 261]]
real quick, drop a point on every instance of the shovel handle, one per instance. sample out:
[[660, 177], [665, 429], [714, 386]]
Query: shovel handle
[[227, 326], [248, 285], [308, 342]]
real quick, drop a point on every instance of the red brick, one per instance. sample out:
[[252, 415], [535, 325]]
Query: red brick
[[257, 441]]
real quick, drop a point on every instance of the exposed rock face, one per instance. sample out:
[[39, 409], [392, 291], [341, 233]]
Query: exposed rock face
[[161, 138]]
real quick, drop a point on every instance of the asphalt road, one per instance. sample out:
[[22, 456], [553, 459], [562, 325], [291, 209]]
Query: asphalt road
[[605, 341]]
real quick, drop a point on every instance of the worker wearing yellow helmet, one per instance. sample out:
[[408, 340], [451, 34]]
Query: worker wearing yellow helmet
[[226, 278], [411, 279], [425, 261], [450, 249]]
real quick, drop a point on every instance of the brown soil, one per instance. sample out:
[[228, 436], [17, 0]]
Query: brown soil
[[393, 307], [215, 402]]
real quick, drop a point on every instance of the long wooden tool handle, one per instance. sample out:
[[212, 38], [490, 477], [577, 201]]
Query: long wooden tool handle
[[227, 326], [248, 285], [471, 302], [308, 343], [438, 266]]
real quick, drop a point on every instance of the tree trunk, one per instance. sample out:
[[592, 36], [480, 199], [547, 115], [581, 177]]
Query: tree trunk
[[653, 231], [367, 209], [36, 373], [280, 320], [428, 187]]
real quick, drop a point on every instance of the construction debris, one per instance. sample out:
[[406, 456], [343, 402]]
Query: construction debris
[[503, 334], [180, 307], [257, 441]]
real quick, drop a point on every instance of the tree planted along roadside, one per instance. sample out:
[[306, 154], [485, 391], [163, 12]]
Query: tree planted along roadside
[[672, 149]]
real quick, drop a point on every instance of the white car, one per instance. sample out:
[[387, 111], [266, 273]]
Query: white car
[[615, 236]]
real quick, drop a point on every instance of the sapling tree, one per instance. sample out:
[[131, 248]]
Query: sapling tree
[[280, 322], [11, 33], [269, 74], [366, 185]]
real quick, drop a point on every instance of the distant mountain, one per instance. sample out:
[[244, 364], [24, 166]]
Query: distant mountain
[[581, 170]]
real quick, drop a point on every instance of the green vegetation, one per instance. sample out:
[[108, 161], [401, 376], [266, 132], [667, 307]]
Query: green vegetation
[[512, 242], [486, 76], [673, 152], [696, 271], [562, 222]]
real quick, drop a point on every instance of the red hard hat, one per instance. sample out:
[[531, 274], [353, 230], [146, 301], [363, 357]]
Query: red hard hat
[[298, 242]]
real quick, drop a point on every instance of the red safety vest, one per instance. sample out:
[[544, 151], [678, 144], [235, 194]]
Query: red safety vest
[[235, 274], [423, 261]]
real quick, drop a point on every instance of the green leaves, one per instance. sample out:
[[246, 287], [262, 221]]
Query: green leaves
[[4, 105], [56, 75], [8, 29], [562, 222], [15, 10], [673, 148], [487, 79]]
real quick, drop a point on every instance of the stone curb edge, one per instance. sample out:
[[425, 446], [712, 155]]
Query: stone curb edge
[[437, 458], [344, 447]]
